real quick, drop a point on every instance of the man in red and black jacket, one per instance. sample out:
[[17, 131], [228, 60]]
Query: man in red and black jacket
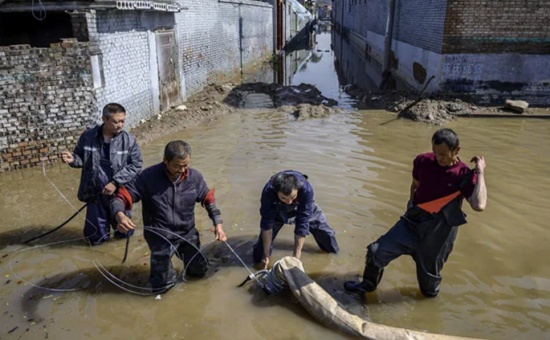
[[169, 192], [428, 228]]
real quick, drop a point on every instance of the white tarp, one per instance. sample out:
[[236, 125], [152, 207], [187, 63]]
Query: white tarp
[[302, 14]]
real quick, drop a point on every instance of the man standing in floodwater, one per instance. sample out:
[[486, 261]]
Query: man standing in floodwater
[[288, 198], [169, 192], [109, 157], [428, 228]]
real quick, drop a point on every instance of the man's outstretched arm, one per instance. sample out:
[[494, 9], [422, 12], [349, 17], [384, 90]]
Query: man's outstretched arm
[[478, 200]]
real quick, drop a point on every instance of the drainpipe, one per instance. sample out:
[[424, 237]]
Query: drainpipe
[[342, 17], [386, 72], [341, 33], [241, 41], [275, 28]]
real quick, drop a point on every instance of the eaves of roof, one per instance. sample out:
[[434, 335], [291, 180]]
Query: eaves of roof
[[124, 5]]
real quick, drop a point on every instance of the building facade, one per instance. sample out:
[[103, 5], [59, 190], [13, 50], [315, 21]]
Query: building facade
[[62, 62], [490, 49]]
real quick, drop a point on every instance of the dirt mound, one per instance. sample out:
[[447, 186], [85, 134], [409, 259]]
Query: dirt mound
[[205, 106], [280, 95], [303, 101], [431, 109], [437, 112], [307, 111]]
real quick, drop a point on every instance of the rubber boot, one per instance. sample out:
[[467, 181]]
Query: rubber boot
[[371, 278]]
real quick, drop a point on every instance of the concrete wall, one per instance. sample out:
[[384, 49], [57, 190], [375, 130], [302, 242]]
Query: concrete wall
[[491, 49], [491, 76]]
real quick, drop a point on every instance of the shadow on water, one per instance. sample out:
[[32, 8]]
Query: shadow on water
[[132, 279], [91, 281], [221, 255], [22, 235]]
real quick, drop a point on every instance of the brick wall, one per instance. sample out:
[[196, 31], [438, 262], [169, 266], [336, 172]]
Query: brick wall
[[504, 26], [124, 48], [361, 16], [49, 95], [80, 26], [210, 34], [492, 49], [45, 102], [420, 23]]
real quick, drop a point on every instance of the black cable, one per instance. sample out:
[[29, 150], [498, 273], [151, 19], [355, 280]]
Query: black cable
[[67, 221], [126, 250], [59, 226]]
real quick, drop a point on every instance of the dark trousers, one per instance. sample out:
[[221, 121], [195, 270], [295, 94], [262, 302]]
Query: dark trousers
[[318, 227], [98, 224], [162, 273], [429, 243]]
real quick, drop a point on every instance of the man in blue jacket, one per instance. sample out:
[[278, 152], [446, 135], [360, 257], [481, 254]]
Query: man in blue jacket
[[109, 157], [169, 191], [287, 198]]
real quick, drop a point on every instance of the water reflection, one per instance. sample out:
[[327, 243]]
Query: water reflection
[[317, 66], [353, 66], [332, 64]]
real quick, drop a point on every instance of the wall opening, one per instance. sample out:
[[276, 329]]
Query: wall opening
[[18, 28]]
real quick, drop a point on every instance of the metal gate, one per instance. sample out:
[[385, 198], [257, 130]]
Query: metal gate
[[169, 85]]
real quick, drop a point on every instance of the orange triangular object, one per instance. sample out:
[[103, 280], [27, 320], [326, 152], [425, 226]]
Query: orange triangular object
[[433, 207]]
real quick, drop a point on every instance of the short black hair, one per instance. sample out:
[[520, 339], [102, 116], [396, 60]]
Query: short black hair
[[285, 183], [112, 108], [447, 137], [177, 148]]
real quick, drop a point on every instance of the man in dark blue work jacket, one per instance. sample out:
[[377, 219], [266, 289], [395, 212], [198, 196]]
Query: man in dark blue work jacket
[[287, 198], [109, 157], [169, 191]]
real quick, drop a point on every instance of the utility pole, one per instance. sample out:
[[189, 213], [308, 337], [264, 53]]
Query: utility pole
[[386, 67]]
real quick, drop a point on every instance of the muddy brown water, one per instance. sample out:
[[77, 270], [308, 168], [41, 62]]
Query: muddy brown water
[[496, 283]]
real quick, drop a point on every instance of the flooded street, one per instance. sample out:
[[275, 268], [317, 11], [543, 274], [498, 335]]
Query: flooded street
[[496, 283]]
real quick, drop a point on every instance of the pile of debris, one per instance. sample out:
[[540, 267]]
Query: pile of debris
[[279, 95]]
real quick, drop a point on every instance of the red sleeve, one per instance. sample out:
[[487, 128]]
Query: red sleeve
[[125, 197], [209, 198]]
